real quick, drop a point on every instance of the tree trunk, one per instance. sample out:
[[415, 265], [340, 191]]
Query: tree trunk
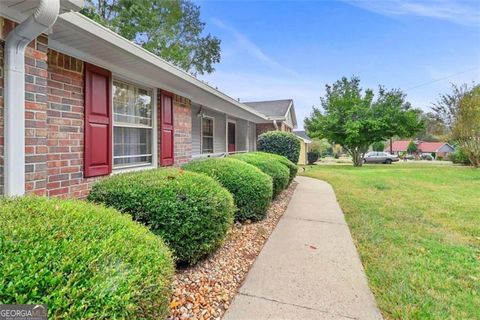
[[357, 158]]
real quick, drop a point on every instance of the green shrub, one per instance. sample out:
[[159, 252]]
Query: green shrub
[[459, 157], [279, 142], [250, 187], [190, 211], [279, 172], [292, 168], [312, 157], [83, 261]]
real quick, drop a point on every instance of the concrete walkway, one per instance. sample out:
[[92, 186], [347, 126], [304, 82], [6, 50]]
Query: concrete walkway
[[309, 267]]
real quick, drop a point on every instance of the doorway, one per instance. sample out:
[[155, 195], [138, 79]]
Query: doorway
[[232, 146]]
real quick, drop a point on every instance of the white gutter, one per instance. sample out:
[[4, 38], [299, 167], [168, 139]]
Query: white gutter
[[17, 40]]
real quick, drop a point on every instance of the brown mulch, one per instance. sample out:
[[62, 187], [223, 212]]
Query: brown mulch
[[206, 290]]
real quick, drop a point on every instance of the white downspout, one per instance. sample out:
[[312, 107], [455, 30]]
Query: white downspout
[[17, 40]]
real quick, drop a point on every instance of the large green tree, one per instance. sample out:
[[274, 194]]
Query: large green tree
[[171, 29], [466, 127], [356, 118]]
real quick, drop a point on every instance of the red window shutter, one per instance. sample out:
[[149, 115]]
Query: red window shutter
[[166, 129], [98, 122]]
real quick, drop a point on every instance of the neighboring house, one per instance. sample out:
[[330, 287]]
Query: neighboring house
[[88, 103], [280, 115], [304, 146], [436, 149]]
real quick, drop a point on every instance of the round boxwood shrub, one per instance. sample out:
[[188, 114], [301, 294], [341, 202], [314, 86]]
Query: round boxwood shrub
[[275, 169], [293, 168], [250, 187], [280, 142], [190, 211], [83, 261]]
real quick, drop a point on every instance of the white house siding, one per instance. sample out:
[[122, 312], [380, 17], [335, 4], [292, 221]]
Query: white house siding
[[219, 142]]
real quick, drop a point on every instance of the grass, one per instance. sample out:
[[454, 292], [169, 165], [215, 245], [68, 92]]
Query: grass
[[417, 229]]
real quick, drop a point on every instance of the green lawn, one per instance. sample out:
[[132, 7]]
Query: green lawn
[[417, 229]]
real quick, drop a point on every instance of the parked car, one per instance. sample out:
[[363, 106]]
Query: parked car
[[426, 156], [379, 157]]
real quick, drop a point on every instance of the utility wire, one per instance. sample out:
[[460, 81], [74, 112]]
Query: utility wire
[[444, 78]]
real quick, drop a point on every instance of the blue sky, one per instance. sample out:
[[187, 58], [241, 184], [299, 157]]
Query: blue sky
[[291, 49]]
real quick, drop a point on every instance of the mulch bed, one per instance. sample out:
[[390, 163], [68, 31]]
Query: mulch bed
[[206, 290]]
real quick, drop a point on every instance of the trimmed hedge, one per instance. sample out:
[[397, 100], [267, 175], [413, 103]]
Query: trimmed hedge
[[292, 168], [190, 211], [83, 261], [250, 187], [279, 172], [280, 142]]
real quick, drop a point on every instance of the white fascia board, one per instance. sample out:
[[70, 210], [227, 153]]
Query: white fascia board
[[84, 24]]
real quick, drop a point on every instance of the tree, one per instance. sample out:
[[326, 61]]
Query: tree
[[170, 29], [466, 127], [352, 117], [434, 129], [378, 146], [322, 146], [446, 107], [412, 147]]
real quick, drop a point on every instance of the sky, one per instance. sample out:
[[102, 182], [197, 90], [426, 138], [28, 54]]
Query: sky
[[292, 49]]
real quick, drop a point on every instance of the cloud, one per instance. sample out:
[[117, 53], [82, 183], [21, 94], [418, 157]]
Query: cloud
[[251, 48], [460, 12]]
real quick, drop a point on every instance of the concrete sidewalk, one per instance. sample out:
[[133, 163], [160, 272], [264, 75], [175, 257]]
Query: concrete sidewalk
[[309, 267]]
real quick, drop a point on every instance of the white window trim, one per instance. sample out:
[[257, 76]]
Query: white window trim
[[154, 138], [201, 134]]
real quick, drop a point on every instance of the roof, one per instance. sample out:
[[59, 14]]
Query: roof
[[276, 110], [430, 146], [422, 146], [303, 135], [273, 108], [84, 39], [397, 146]]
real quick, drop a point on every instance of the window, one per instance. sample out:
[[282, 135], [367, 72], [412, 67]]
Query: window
[[132, 125], [207, 135]]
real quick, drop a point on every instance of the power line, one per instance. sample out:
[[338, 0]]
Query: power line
[[440, 79]]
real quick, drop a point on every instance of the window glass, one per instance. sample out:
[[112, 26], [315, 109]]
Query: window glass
[[132, 125], [207, 135]]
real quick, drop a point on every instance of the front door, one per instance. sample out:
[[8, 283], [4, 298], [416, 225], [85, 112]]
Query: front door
[[231, 137]]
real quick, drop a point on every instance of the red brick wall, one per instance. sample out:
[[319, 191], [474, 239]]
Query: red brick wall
[[182, 127], [264, 127], [36, 116], [65, 127], [182, 118]]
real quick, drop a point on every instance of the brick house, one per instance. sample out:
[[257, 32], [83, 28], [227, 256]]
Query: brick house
[[280, 115], [79, 102], [435, 149]]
